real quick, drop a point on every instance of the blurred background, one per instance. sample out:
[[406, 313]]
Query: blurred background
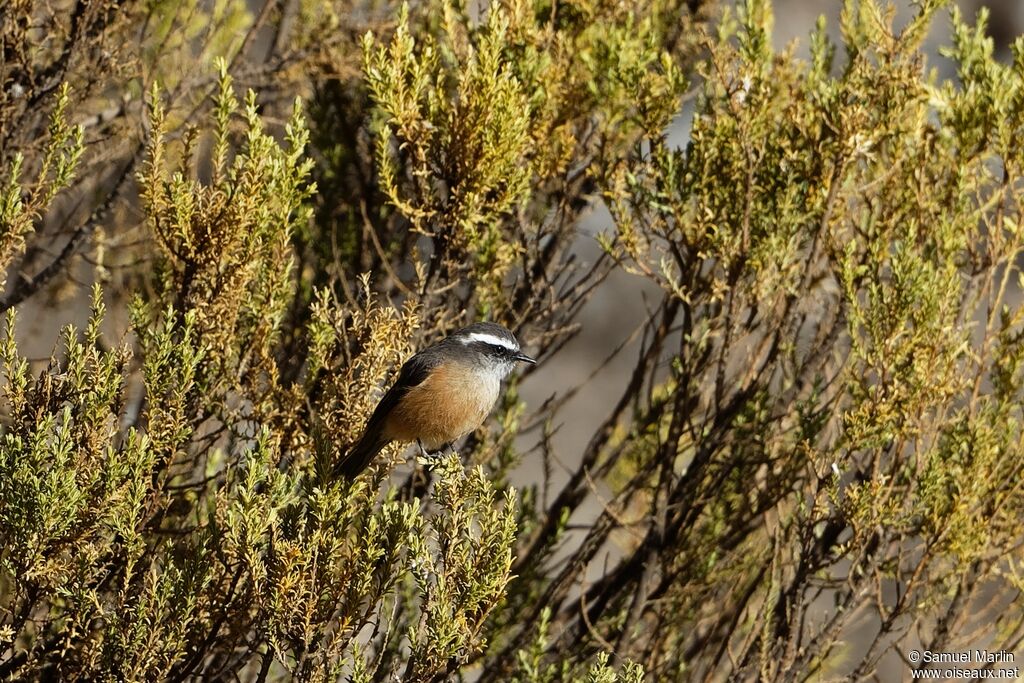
[[611, 318], [795, 18], [610, 321], [613, 314], [619, 307]]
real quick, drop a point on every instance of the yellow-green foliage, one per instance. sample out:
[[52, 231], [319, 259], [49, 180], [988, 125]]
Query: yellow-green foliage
[[813, 464], [476, 118], [843, 241], [20, 209]]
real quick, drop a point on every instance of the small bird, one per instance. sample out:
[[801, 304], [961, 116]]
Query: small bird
[[442, 393]]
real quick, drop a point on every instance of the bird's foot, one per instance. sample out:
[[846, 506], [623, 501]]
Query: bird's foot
[[426, 457]]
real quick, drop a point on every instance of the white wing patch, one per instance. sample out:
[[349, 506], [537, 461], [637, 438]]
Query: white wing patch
[[490, 339]]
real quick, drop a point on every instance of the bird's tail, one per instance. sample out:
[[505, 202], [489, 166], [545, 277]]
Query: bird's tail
[[361, 455]]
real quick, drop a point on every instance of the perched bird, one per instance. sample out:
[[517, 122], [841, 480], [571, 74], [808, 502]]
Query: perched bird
[[442, 393]]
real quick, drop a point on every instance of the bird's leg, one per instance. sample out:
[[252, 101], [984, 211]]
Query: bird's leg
[[450, 447], [423, 451]]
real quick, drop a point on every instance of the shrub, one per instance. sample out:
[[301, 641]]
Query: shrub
[[819, 437]]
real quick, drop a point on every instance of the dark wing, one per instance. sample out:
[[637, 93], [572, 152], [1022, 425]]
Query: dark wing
[[414, 372]]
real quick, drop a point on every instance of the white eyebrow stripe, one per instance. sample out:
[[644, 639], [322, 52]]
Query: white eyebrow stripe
[[490, 339]]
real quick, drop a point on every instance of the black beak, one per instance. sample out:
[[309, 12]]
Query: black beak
[[524, 358]]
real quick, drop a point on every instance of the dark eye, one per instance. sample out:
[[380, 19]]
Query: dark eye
[[496, 350]]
